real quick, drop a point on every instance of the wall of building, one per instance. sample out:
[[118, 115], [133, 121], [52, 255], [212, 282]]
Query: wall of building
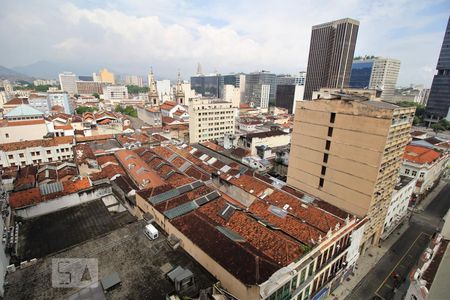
[[11, 134], [47, 207], [151, 118]]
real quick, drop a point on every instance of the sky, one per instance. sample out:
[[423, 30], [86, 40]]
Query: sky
[[131, 36]]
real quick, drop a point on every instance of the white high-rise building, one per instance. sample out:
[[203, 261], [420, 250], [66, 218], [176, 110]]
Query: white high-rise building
[[68, 82], [210, 119], [232, 94], [384, 75]]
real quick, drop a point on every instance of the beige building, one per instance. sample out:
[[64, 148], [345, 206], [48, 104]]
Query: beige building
[[347, 150], [210, 119], [89, 87], [384, 75], [106, 76]]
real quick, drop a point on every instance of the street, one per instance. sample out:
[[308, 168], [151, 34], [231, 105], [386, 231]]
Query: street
[[393, 268]]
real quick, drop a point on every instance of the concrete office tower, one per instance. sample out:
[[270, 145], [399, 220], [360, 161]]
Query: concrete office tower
[[232, 94], [114, 94], [375, 73], [439, 100], [210, 119], [260, 88], [107, 77], [288, 95], [330, 55], [347, 150], [207, 85], [68, 82]]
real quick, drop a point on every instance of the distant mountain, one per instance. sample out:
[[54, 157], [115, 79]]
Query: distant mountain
[[41, 69], [12, 75]]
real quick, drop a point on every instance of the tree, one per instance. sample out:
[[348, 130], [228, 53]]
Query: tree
[[82, 109], [445, 124], [437, 127], [134, 89], [96, 95]]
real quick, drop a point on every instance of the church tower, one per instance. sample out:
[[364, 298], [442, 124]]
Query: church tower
[[179, 94], [153, 96]]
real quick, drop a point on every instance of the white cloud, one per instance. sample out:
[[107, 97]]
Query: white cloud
[[131, 36]]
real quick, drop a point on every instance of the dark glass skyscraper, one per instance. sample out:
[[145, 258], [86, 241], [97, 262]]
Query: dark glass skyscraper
[[361, 72], [331, 55], [439, 100], [207, 85]]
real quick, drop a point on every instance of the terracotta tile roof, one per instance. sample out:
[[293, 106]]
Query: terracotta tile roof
[[36, 143], [420, 155], [107, 158], [277, 246], [83, 153], [16, 101], [159, 137], [213, 146], [417, 133], [179, 179], [137, 169], [246, 263], [26, 178], [240, 152], [179, 112], [432, 269], [168, 120], [178, 161], [33, 196], [6, 123], [168, 105], [249, 184], [82, 139], [64, 127], [163, 152]]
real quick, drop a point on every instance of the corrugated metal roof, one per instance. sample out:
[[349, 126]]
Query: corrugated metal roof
[[230, 234], [23, 110], [180, 210], [51, 188]]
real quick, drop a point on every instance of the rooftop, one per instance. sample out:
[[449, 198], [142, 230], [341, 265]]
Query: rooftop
[[23, 110], [402, 182], [420, 155], [52, 142], [265, 134], [53, 232], [141, 264]]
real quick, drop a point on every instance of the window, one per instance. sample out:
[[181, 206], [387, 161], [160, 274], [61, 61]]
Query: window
[[327, 145], [330, 131], [414, 173], [325, 157], [324, 170], [311, 269], [10, 156], [49, 151], [421, 174], [407, 171], [21, 155], [7, 135], [302, 276], [332, 117], [321, 180]]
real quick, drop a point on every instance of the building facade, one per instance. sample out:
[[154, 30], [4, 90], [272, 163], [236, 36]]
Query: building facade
[[330, 55], [260, 88], [107, 77], [210, 119], [114, 94], [61, 99], [89, 87], [207, 85], [67, 81], [134, 80], [288, 95], [439, 100], [347, 150]]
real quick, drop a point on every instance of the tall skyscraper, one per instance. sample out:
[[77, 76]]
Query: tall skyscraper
[[330, 55], [68, 82], [375, 73], [134, 80], [347, 150], [439, 100]]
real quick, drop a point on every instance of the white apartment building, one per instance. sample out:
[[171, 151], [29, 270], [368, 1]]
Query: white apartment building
[[114, 94], [398, 207], [40, 102], [210, 119], [36, 151], [39, 82], [68, 82], [424, 164]]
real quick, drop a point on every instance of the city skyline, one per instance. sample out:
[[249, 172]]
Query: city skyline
[[228, 38]]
